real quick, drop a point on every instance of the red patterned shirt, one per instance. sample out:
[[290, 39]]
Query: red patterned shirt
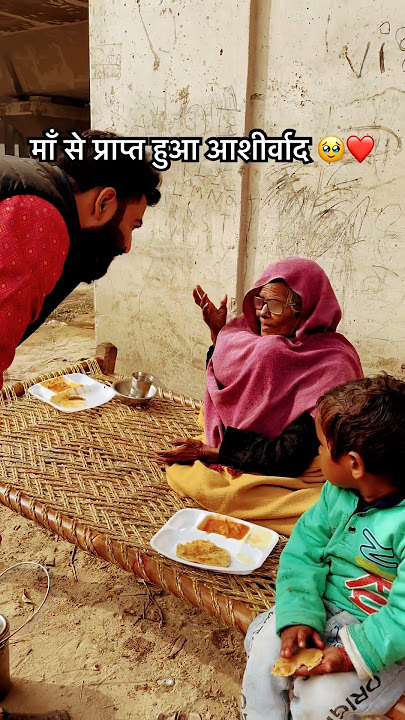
[[34, 243]]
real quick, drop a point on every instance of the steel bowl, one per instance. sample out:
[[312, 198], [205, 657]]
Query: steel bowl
[[123, 389]]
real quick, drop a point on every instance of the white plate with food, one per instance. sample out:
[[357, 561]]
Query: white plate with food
[[72, 393], [210, 541]]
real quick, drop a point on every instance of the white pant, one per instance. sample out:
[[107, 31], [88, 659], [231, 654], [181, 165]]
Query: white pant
[[320, 697]]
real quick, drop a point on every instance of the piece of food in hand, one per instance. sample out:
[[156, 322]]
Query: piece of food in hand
[[204, 552], [59, 384], [311, 657], [69, 398]]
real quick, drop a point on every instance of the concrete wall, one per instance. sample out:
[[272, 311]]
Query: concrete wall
[[331, 71], [200, 69], [167, 70]]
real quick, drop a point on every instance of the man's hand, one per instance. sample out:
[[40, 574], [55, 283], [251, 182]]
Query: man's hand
[[214, 317], [334, 661], [187, 451], [299, 635]]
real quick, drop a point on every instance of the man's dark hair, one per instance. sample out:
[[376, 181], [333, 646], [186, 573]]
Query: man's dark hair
[[131, 179], [368, 417]]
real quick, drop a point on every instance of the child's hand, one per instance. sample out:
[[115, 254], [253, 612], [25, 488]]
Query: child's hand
[[298, 635], [335, 660]]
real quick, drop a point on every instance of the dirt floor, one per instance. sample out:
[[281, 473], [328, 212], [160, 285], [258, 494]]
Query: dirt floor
[[67, 336], [101, 648]]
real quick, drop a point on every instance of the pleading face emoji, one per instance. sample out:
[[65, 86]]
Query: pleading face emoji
[[331, 148]]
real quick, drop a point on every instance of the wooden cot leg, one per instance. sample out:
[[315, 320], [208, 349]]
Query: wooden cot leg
[[106, 355], [398, 711]]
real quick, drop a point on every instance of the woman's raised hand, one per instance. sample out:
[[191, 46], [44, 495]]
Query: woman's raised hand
[[214, 317]]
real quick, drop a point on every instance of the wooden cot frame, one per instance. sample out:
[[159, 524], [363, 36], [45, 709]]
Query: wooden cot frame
[[232, 613]]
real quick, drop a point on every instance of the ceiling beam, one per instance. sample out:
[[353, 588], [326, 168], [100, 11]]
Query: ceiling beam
[[78, 3], [48, 26], [34, 23]]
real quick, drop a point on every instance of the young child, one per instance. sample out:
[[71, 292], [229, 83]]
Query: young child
[[341, 580]]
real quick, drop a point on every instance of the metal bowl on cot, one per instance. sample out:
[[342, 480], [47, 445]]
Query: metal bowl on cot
[[123, 392]]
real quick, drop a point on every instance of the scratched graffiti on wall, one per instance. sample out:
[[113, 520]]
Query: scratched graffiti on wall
[[105, 61], [394, 41], [325, 215], [217, 112]]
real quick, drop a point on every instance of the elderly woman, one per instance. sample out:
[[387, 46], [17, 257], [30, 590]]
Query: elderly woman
[[268, 368]]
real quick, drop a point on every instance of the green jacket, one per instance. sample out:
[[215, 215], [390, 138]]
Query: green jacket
[[355, 561]]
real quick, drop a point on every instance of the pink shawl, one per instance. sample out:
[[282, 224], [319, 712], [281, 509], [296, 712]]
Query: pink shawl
[[263, 383]]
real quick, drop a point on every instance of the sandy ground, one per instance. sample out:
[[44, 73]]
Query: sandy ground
[[67, 336], [98, 648]]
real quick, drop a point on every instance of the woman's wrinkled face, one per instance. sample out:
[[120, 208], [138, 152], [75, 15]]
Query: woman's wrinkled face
[[270, 323]]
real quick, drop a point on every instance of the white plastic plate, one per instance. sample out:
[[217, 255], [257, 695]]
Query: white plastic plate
[[93, 392], [247, 554]]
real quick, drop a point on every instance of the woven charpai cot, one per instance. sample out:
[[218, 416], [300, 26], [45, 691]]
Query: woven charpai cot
[[92, 477]]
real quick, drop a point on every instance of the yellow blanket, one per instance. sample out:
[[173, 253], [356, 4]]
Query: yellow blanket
[[274, 502]]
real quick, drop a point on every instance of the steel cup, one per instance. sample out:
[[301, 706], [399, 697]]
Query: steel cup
[[140, 385]]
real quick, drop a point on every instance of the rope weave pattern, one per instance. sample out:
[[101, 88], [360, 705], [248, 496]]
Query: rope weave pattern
[[94, 474]]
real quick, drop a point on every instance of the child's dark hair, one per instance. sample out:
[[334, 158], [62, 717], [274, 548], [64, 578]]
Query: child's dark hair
[[131, 179], [368, 416]]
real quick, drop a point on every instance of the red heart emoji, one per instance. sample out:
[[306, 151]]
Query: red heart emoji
[[360, 148]]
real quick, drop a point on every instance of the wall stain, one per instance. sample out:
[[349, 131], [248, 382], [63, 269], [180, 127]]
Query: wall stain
[[326, 33], [156, 63], [382, 63]]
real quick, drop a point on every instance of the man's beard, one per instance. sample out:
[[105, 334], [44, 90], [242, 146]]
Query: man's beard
[[99, 246]]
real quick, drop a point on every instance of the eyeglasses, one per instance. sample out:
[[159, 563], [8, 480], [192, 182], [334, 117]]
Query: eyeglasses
[[276, 307]]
